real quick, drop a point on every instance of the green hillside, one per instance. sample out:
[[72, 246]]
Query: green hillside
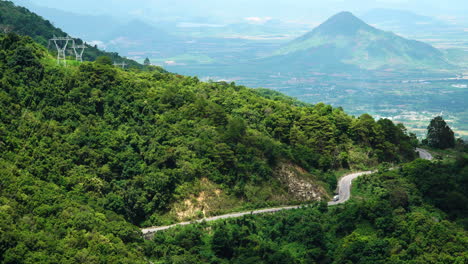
[[22, 21], [346, 40], [89, 151], [392, 220]]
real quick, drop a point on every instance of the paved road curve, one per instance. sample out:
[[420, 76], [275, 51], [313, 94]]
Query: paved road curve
[[344, 187], [147, 232], [424, 154]]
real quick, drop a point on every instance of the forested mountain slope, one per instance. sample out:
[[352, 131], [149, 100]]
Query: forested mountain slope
[[85, 150], [24, 22]]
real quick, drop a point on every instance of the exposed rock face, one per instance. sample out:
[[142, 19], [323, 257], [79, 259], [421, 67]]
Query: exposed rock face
[[207, 199], [300, 183]]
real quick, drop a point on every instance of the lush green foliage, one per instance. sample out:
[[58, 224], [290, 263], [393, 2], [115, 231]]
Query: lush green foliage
[[442, 185], [24, 22], [88, 152], [83, 148], [439, 134], [391, 225], [20, 20], [44, 219], [104, 60]]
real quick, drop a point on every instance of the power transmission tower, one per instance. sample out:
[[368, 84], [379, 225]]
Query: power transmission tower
[[79, 50], [122, 65], [61, 44]]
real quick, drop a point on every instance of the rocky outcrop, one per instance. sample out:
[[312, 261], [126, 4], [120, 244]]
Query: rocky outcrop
[[301, 184]]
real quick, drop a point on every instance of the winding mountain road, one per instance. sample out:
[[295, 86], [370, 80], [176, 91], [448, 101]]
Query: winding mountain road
[[344, 187], [424, 154], [344, 192]]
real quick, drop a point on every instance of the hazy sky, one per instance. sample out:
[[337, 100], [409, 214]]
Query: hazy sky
[[307, 10]]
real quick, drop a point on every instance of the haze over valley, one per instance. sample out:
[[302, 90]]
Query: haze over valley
[[248, 131], [368, 62]]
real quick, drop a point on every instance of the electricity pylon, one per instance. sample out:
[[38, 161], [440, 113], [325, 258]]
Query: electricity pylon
[[61, 44], [122, 65], [79, 50]]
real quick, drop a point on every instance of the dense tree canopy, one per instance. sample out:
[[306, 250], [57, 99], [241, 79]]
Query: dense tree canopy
[[86, 150], [388, 223], [24, 22], [104, 60], [439, 134], [443, 185], [90, 152]]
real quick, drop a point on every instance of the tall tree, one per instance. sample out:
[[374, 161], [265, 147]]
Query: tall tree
[[439, 134], [104, 60], [147, 62]]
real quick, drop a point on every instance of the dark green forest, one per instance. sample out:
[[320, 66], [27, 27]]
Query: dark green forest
[[439, 134], [24, 22], [88, 153]]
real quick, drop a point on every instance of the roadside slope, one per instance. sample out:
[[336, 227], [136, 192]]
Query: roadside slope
[[344, 187]]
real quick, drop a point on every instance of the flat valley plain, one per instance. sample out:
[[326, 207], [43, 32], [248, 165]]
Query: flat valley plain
[[411, 102], [405, 98], [412, 98]]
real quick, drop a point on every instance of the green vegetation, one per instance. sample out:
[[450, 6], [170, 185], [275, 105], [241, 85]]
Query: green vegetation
[[90, 152], [23, 22], [341, 62], [443, 185], [86, 150], [394, 220], [439, 134], [104, 60]]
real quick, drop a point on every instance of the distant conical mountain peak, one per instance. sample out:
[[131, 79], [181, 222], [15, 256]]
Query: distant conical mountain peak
[[346, 40], [344, 15], [344, 23]]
